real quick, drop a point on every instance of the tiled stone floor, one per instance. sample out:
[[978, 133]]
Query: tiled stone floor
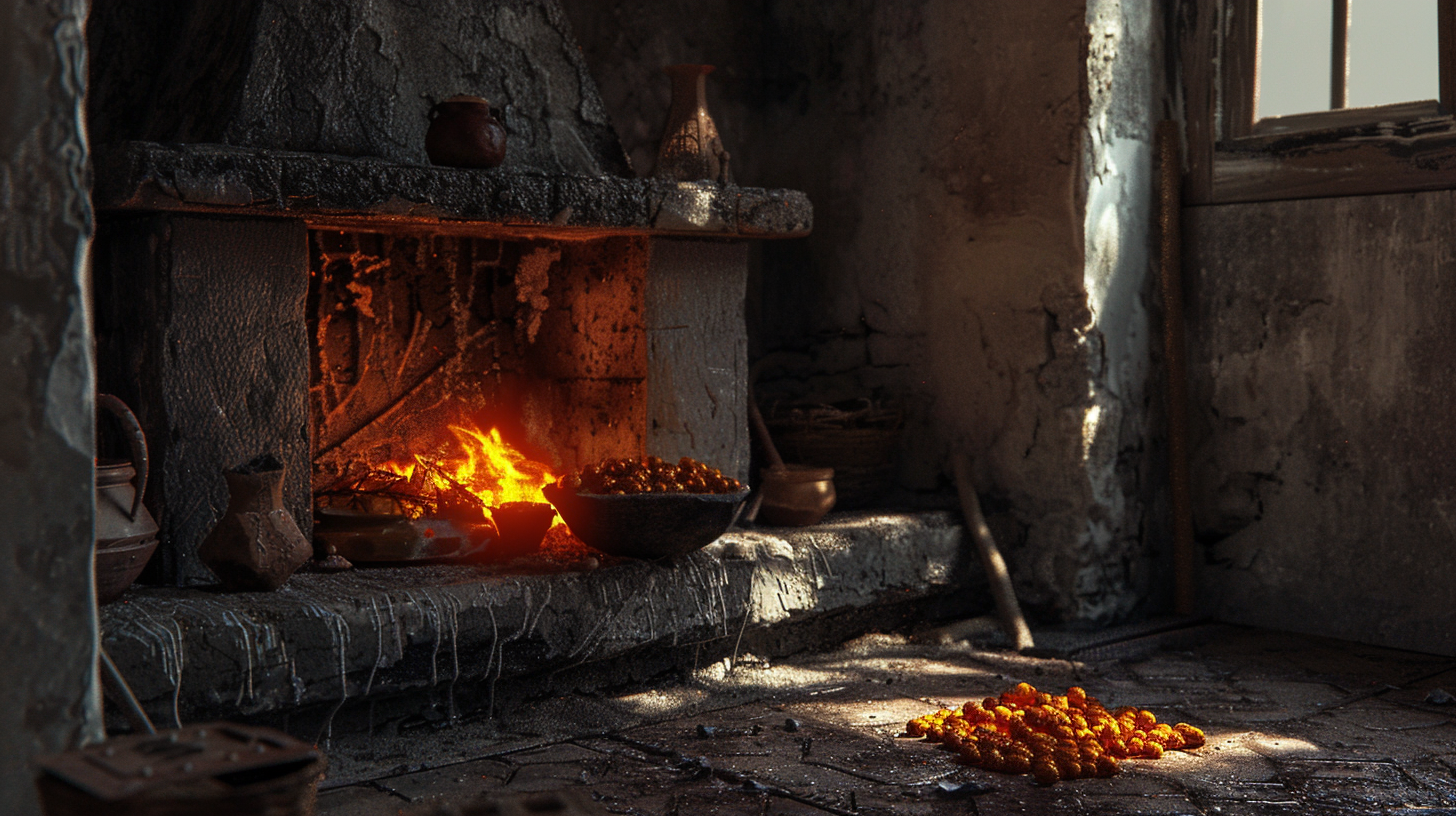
[[1295, 725]]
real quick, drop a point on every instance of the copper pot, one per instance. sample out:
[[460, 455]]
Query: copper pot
[[795, 495], [463, 133]]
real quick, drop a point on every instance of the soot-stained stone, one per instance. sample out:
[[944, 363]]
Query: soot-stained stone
[[201, 329], [144, 176], [377, 632], [354, 78], [697, 353]]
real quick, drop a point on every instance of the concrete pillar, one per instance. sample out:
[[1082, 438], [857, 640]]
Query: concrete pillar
[[47, 477]]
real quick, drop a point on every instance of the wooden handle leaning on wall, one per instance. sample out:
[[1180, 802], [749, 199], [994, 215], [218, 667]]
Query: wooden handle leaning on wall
[[1007, 609], [1170, 176]]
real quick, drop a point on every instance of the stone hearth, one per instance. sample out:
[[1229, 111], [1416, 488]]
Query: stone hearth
[[447, 637]]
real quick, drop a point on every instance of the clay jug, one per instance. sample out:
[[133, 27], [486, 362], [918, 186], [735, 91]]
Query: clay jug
[[256, 544], [690, 149], [126, 534], [121, 519], [463, 133]]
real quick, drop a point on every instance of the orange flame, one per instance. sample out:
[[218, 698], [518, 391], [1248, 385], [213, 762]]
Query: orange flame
[[486, 465]]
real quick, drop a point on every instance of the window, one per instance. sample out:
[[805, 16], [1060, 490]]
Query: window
[[1308, 98]]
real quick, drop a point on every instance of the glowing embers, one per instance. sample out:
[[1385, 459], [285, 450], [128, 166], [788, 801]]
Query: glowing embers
[[474, 480], [1052, 737]]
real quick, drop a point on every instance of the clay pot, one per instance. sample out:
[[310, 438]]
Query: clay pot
[[795, 495], [256, 544], [126, 534], [690, 149], [121, 519], [118, 567], [463, 133]]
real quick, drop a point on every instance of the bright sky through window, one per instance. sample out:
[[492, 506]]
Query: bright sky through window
[[1393, 54]]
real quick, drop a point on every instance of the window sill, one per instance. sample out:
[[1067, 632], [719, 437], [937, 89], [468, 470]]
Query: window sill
[[1344, 160]]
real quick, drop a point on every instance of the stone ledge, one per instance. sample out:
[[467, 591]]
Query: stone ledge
[[373, 632], [338, 190]]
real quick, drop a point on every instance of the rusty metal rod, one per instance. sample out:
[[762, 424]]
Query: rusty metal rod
[[1170, 172], [1007, 609]]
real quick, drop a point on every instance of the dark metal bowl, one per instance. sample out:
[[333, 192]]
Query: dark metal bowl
[[521, 525], [647, 525]]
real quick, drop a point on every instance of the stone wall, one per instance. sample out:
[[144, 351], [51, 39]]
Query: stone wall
[[980, 175], [46, 405], [1324, 456], [356, 79]]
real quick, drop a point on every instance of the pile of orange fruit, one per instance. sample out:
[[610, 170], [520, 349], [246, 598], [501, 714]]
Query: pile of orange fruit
[[650, 475], [1051, 737]]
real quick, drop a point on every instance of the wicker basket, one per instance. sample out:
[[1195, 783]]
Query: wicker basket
[[859, 440]]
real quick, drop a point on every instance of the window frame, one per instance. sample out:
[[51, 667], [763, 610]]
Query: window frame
[[1403, 147]]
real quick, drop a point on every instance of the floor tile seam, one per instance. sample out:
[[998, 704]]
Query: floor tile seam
[[489, 755], [733, 775], [376, 785]]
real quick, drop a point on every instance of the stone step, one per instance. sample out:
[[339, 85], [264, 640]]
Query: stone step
[[193, 653]]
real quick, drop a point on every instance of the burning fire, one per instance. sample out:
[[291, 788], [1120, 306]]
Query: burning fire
[[490, 468]]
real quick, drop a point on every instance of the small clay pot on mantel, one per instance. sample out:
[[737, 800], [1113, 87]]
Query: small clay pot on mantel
[[256, 544], [464, 133]]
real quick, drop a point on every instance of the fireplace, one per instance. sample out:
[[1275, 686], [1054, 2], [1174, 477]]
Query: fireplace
[[278, 270], [414, 334], [453, 369], [307, 286]]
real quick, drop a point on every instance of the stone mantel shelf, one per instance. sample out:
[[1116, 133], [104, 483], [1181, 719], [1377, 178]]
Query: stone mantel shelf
[[329, 190], [383, 631]]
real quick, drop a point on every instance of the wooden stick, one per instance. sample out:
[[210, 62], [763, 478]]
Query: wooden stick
[[761, 428], [1006, 607], [1170, 173]]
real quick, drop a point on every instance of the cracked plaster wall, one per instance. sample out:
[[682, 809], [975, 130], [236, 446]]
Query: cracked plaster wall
[[981, 180], [46, 417], [1323, 451]]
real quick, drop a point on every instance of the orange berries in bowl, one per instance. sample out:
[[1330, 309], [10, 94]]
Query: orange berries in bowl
[[647, 508], [628, 476]]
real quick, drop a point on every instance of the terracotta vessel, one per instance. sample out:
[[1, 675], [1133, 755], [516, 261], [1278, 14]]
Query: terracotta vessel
[[126, 534], [690, 148], [463, 133], [795, 495], [256, 544], [118, 567], [121, 519]]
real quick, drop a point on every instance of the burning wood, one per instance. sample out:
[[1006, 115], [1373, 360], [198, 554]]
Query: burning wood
[[426, 492]]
